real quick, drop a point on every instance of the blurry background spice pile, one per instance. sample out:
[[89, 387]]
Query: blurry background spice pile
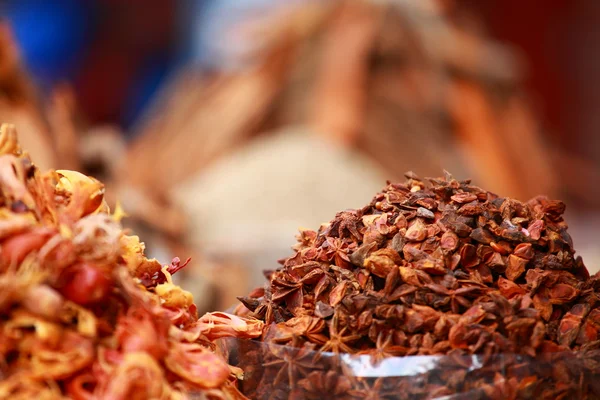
[[224, 126]]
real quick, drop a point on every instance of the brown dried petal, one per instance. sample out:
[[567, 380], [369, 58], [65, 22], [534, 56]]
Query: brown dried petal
[[373, 236], [554, 207], [402, 291], [430, 315], [433, 230], [464, 197], [482, 235], [453, 261], [485, 273], [381, 262], [496, 262], [449, 241], [363, 277], [358, 256], [414, 277], [543, 305], [401, 222], [457, 336], [524, 250], [338, 293], [562, 293], [323, 310], [501, 247], [516, 267], [538, 335], [442, 327], [425, 213], [391, 281], [431, 266], [570, 324], [473, 315], [468, 256], [471, 209], [412, 251], [535, 229], [413, 321], [417, 232], [321, 286], [590, 329], [432, 245], [365, 319], [509, 289]]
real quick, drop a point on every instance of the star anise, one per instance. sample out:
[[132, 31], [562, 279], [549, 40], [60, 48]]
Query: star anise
[[458, 298], [318, 385], [306, 239], [374, 389], [309, 327], [440, 269], [346, 225], [337, 250], [269, 311], [339, 341], [385, 348], [292, 363]]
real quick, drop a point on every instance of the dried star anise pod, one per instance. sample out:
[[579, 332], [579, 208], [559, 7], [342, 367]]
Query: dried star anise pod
[[442, 268]]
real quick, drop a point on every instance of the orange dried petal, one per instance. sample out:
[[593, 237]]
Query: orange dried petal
[[197, 364], [216, 325], [137, 377], [73, 353], [140, 330]]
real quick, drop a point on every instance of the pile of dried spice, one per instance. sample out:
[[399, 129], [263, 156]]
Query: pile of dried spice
[[83, 313], [488, 287]]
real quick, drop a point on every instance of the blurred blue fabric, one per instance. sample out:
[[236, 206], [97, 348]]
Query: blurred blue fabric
[[54, 37], [50, 34]]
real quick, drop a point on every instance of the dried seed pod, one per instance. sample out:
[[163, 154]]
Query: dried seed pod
[[443, 268]]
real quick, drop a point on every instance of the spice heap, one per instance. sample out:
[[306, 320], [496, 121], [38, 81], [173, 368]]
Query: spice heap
[[83, 313], [433, 267]]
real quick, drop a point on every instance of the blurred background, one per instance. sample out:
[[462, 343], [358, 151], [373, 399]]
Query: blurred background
[[222, 126]]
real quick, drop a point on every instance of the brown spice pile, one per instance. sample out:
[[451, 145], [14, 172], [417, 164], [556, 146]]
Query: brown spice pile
[[83, 313], [433, 267]]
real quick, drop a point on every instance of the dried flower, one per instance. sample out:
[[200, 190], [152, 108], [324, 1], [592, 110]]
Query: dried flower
[[83, 313]]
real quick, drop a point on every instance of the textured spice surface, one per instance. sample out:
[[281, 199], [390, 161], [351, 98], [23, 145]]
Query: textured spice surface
[[435, 267], [83, 313]]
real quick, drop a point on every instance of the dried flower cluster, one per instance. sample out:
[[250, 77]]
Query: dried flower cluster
[[433, 267], [83, 313]]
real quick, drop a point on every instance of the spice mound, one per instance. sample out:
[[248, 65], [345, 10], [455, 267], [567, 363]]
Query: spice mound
[[83, 313], [432, 267]]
